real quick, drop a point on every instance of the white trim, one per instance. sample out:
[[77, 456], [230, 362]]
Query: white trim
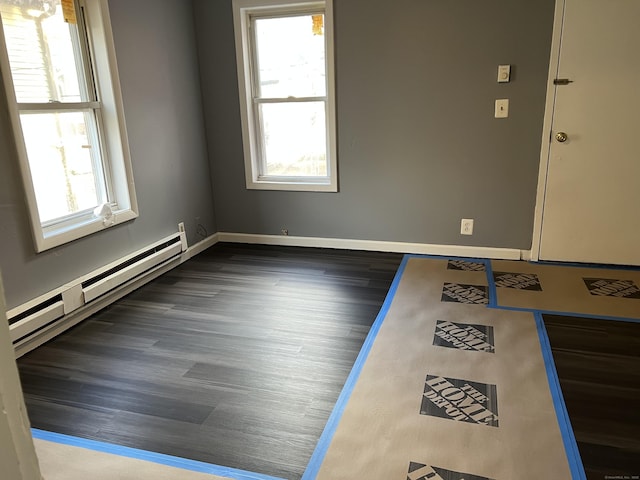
[[546, 129], [82, 312], [18, 453], [73, 283], [319, 242], [116, 155], [95, 290], [253, 180], [373, 245], [190, 252], [525, 255], [89, 309], [58, 106], [21, 149], [332, 131], [200, 247], [29, 324], [113, 105]]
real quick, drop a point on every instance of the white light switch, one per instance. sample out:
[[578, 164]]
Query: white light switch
[[502, 108], [504, 73]]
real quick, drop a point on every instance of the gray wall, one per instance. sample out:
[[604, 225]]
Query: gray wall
[[155, 47], [419, 148]]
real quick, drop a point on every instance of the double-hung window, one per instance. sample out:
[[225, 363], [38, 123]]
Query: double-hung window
[[60, 75], [285, 75]]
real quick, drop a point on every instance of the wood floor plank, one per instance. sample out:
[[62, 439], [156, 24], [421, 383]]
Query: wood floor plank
[[598, 365], [234, 358], [237, 358]]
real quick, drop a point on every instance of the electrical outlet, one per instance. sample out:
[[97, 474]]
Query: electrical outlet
[[466, 226], [284, 231]]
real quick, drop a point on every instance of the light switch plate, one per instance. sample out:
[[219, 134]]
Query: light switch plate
[[504, 73], [502, 108]]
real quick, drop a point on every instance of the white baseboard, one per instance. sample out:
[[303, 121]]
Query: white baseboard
[[199, 247], [89, 309], [525, 255], [373, 245], [85, 311]]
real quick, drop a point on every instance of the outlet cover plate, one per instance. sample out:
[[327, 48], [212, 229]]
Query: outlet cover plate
[[466, 226]]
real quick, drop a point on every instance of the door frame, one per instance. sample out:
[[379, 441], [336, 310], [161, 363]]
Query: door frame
[[16, 441], [545, 144]]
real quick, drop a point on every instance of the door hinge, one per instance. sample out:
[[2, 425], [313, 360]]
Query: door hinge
[[562, 81]]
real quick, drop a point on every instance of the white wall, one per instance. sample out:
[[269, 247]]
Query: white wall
[[17, 454]]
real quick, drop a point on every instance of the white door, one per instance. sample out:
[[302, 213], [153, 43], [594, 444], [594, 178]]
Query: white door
[[591, 207]]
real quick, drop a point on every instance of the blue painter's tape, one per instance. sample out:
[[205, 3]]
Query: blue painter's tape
[[600, 266], [569, 314], [319, 453], [493, 303], [313, 467], [493, 294], [168, 460], [569, 440]]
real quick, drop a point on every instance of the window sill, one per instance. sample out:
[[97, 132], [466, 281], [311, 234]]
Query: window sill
[[51, 237], [292, 185]]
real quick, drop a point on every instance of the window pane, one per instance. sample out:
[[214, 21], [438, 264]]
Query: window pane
[[42, 52], [63, 162], [294, 139], [290, 56]]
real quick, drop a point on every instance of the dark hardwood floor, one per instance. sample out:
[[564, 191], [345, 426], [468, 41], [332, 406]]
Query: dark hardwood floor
[[235, 358], [598, 364]]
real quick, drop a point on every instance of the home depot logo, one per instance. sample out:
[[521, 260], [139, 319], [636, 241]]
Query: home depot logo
[[465, 265], [459, 293], [521, 281], [605, 287], [464, 336], [460, 400], [420, 471]]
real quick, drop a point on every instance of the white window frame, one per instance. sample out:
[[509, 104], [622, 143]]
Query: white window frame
[[113, 138], [243, 10]]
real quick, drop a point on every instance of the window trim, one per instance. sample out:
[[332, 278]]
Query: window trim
[[242, 11], [113, 138]]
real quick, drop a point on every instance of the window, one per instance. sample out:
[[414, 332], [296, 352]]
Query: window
[[285, 75], [59, 70]]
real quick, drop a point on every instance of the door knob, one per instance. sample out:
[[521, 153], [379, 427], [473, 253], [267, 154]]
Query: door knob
[[561, 137]]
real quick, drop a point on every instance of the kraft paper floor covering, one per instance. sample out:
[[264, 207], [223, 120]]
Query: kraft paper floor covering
[[580, 290], [451, 384], [66, 462], [454, 390], [416, 412]]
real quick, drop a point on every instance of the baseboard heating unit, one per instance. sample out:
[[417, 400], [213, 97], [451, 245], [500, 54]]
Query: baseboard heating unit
[[41, 319]]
